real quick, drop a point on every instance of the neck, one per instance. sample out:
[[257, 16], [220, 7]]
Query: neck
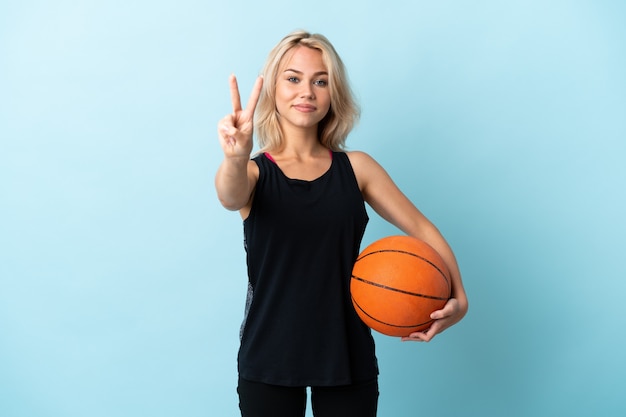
[[300, 142], [299, 133]]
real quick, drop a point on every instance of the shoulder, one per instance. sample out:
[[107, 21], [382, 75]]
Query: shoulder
[[253, 178], [253, 167], [362, 163], [360, 159], [365, 168]]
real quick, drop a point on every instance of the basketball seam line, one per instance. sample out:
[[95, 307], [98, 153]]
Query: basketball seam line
[[385, 287], [408, 253], [389, 324]]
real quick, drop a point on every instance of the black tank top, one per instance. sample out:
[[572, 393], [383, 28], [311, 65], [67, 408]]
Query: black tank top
[[301, 239]]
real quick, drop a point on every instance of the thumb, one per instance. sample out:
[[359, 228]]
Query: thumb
[[436, 315], [446, 311]]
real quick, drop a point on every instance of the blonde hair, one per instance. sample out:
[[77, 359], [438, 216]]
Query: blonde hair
[[343, 114]]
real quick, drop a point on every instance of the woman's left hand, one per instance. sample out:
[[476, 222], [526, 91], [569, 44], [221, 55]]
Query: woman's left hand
[[450, 314]]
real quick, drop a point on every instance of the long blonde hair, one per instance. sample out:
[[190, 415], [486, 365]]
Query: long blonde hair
[[343, 114]]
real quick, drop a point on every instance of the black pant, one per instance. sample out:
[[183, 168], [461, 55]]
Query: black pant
[[257, 399]]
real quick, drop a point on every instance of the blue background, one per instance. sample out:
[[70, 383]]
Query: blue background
[[122, 279]]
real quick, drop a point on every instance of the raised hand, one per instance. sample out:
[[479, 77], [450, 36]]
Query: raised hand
[[235, 130]]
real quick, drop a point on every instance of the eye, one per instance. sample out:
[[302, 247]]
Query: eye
[[320, 83], [293, 79]]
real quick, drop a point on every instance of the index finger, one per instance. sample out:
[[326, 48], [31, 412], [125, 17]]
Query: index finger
[[234, 93], [255, 94]]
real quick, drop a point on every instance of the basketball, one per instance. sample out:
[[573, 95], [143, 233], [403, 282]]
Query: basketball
[[397, 282]]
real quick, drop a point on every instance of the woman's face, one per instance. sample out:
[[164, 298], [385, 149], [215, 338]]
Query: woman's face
[[302, 93]]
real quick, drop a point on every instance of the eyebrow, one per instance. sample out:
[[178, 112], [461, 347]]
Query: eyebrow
[[300, 72]]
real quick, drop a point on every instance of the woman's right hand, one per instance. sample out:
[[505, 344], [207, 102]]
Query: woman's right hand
[[235, 130]]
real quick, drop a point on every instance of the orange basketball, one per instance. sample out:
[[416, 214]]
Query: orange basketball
[[397, 282]]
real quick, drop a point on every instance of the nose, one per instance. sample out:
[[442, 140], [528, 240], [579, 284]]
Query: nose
[[307, 91]]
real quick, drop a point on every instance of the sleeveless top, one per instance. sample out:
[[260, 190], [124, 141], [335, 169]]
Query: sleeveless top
[[301, 240]]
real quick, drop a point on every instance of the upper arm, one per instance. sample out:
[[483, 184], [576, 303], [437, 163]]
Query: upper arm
[[384, 196]]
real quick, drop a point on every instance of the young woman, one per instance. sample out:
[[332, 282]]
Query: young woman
[[302, 200]]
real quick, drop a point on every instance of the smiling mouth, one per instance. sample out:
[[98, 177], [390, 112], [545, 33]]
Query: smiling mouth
[[306, 108]]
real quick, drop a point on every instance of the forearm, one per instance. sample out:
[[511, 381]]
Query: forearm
[[232, 183], [431, 235]]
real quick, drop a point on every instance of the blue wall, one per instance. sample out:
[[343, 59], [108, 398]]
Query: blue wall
[[122, 279]]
